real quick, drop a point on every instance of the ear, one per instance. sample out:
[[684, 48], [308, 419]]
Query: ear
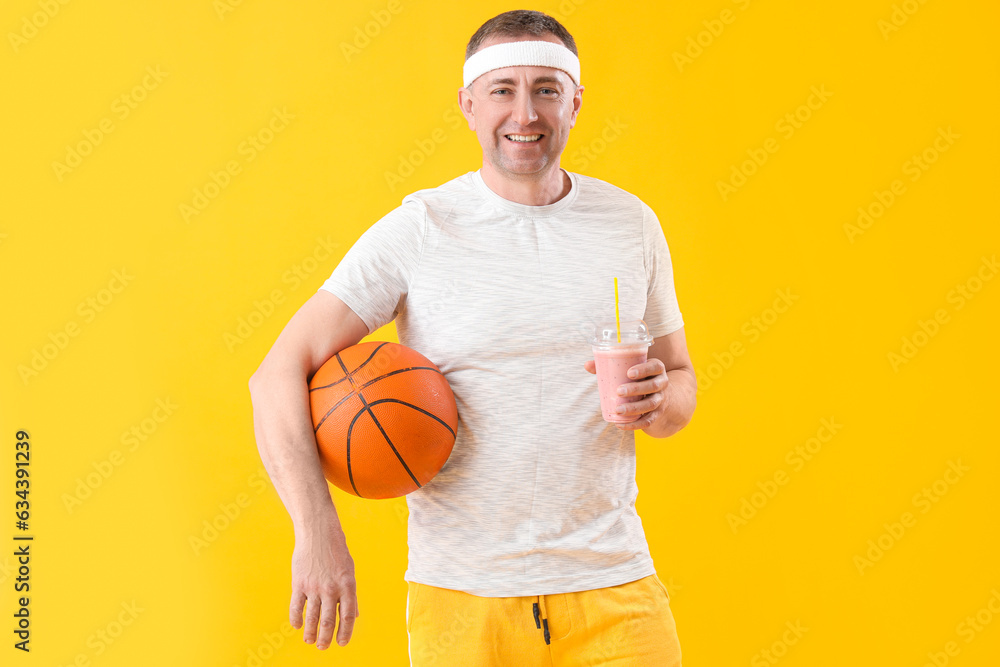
[[577, 103], [465, 106]]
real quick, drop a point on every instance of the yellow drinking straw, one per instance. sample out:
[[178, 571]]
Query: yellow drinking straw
[[618, 323]]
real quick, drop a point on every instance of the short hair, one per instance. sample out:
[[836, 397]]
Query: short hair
[[518, 23]]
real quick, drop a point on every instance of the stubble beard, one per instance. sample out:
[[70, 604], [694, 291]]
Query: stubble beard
[[504, 164]]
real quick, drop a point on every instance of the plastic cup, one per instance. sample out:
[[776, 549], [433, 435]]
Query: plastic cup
[[613, 361]]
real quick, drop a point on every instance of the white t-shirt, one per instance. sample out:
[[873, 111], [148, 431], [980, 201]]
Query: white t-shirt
[[538, 495]]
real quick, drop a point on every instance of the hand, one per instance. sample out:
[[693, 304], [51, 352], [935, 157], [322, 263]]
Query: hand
[[323, 574], [651, 383]]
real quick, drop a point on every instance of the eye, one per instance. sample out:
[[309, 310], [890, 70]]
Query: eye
[[501, 90], [548, 90]]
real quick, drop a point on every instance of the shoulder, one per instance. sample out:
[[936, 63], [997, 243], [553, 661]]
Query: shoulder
[[595, 190], [444, 195]]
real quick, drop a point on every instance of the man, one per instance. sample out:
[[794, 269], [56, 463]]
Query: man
[[525, 549]]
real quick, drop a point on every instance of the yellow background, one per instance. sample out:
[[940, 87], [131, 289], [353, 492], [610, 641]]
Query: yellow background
[[360, 115]]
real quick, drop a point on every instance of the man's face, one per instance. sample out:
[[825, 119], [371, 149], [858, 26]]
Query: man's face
[[525, 102]]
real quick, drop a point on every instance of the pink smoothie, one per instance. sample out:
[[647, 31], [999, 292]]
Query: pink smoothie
[[612, 367]]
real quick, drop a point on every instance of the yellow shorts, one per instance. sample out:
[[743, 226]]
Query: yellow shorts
[[629, 625]]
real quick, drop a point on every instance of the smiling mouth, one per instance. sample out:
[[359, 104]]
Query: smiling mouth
[[524, 138]]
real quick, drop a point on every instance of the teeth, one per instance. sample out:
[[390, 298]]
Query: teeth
[[524, 138]]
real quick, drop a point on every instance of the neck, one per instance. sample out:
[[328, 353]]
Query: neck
[[529, 189]]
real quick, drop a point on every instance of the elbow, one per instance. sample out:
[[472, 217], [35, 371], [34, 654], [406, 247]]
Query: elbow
[[253, 382], [275, 375], [263, 375], [256, 380]]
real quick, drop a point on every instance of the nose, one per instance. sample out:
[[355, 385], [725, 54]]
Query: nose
[[524, 110]]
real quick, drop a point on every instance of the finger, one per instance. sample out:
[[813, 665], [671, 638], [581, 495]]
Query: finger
[[645, 387], [348, 612], [327, 623], [295, 611], [590, 366], [639, 407], [651, 367], [643, 418], [640, 423], [629, 426], [636, 388], [313, 608]]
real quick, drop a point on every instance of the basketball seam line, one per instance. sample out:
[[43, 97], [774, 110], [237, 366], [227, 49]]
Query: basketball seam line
[[360, 366], [384, 435], [365, 385], [417, 408], [349, 376]]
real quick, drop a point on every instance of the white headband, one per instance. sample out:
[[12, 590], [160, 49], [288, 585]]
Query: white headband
[[511, 54]]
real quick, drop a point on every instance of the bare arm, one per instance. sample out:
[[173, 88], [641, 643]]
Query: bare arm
[[322, 569], [677, 401]]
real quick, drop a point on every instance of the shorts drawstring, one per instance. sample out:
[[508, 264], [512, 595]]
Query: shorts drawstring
[[538, 609]]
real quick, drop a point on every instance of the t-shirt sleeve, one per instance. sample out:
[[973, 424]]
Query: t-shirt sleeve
[[663, 316], [374, 276]]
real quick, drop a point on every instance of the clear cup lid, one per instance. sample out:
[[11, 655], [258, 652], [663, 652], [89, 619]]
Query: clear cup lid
[[605, 334]]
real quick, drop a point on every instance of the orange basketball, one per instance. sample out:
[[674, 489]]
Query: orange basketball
[[385, 419]]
